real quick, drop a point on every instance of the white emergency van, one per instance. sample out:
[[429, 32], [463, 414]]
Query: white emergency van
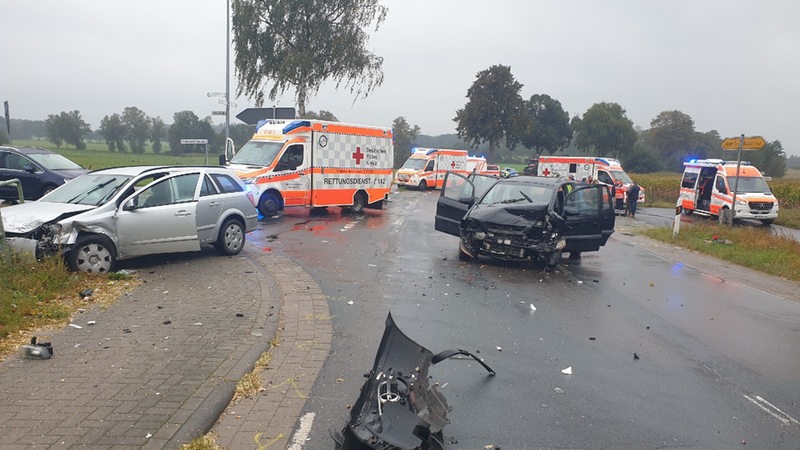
[[316, 163], [426, 167], [708, 185], [604, 170]]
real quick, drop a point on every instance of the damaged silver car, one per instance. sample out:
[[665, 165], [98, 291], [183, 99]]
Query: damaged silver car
[[525, 218], [109, 215]]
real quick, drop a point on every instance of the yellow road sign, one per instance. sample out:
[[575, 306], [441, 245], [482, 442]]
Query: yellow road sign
[[750, 143]]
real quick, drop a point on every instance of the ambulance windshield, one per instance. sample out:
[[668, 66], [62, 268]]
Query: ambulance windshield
[[620, 175], [257, 153], [749, 185], [414, 164]]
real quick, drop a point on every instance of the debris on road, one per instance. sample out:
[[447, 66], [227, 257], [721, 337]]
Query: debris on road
[[567, 371], [40, 350]]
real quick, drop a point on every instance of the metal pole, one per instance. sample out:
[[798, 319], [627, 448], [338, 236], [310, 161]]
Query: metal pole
[[227, 72], [736, 183]]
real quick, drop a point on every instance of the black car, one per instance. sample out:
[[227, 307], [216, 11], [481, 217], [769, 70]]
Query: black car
[[525, 217], [39, 170]]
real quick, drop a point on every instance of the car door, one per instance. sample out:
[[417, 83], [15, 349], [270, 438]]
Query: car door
[[457, 195], [209, 207], [589, 216], [160, 218], [18, 166]]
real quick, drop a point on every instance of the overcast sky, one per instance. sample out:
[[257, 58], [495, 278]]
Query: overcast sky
[[732, 65]]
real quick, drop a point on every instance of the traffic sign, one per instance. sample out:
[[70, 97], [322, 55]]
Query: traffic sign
[[194, 141], [217, 113], [749, 143], [251, 116]]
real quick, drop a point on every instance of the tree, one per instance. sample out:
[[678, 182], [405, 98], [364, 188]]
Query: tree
[[494, 111], [186, 125], [323, 115], [672, 135], [605, 130], [113, 131], [158, 131], [303, 43], [67, 127], [548, 128], [405, 138], [770, 160], [137, 126]]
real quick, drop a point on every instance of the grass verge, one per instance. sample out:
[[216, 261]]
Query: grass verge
[[754, 248]]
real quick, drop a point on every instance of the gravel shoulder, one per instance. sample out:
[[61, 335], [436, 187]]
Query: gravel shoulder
[[629, 230]]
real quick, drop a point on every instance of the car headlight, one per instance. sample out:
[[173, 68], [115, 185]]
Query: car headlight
[[740, 202]]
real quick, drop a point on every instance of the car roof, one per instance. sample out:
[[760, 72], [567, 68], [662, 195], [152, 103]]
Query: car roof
[[529, 179], [25, 150], [138, 170]]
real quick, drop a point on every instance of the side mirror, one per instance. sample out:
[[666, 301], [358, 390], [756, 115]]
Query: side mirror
[[130, 204], [466, 200], [28, 168], [222, 160]]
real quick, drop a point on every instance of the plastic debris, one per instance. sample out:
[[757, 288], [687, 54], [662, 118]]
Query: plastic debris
[[40, 350], [558, 390], [349, 302], [567, 371], [75, 325], [533, 308], [86, 293], [91, 322]]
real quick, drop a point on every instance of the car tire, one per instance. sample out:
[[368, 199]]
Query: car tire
[[423, 185], [93, 254], [552, 259], [231, 237], [767, 222], [269, 204], [359, 202]]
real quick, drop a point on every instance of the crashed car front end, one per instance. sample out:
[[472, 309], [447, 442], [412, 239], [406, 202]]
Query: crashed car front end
[[511, 233]]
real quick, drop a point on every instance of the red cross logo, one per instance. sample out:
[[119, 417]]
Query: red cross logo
[[358, 156], [453, 165], [546, 172]]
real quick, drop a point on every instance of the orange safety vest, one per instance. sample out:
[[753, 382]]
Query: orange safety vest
[[619, 192]]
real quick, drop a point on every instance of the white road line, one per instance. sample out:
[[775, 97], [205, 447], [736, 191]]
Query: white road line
[[302, 432], [772, 410]]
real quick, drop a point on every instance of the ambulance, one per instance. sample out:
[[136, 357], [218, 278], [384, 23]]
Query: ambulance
[[316, 163], [476, 164], [707, 189], [426, 167], [604, 170]]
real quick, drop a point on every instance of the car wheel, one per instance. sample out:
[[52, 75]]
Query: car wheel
[[767, 222], [92, 254], [423, 185], [269, 204], [231, 237], [553, 259], [359, 202]]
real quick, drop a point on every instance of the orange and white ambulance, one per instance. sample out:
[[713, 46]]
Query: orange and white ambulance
[[707, 188], [426, 167], [476, 164], [316, 163], [604, 170]]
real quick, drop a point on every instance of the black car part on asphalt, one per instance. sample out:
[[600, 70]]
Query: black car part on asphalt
[[398, 408]]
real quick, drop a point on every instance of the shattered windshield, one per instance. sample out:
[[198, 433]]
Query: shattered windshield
[[257, 153], [90, 189], [504, 193]]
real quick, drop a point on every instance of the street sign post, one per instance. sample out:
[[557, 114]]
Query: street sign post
[[198, 141], [251, 116]]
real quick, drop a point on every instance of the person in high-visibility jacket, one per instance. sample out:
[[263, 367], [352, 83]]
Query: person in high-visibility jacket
[[619, 196]]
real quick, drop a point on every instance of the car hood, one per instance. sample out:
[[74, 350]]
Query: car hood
[[71, 173], [31, 215], [513, 215]]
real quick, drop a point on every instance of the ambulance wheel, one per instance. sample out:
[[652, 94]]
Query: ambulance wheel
[[767, 222], [423, 185], [269, 204], [359, 202]]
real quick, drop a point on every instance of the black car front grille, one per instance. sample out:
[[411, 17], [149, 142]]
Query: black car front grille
[[760, 206]]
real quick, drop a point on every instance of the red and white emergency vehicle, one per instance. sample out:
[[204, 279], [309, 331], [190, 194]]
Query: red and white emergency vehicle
[[604, 170], [708, 185], [426, 167], [316, 163], [476, 164]]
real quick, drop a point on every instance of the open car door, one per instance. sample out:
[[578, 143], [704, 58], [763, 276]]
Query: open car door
[[457, 196], [589, 215]]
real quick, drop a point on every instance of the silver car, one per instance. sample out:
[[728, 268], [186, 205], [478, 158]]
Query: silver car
[[109, 215]]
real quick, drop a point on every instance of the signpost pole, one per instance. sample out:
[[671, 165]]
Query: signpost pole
[[736, 183]]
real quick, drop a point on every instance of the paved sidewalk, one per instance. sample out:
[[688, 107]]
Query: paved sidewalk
[[158, 367]]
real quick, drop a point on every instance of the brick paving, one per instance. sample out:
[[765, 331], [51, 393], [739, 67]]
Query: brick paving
[[158, 367]]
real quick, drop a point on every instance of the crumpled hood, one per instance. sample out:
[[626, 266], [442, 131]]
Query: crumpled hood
[[28, 216], [511, 215]]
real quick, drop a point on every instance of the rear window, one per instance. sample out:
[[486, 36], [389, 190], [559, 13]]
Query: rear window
[[226, 183], [689, 180]]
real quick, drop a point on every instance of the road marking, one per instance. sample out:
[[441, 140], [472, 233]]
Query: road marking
[[302, 432], [772, 410]]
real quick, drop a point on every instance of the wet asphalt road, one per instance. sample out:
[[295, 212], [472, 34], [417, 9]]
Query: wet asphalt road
[[663, 354]]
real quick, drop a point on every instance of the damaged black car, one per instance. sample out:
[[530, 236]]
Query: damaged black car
[[525, 218]]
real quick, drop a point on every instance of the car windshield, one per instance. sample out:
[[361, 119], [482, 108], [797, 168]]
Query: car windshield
[[620, 175], [90, 189], [504, 193], [749, 185], [53, 161], [257, 153], [414, 164]]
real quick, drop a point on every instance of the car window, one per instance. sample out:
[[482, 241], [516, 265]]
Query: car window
[[176, 189], [54, 161], [17, 162], [291, 159], [587, 201], [604, 177], [207, 188], [517, 193], [457, 188], [226, 183], [721, 185]]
